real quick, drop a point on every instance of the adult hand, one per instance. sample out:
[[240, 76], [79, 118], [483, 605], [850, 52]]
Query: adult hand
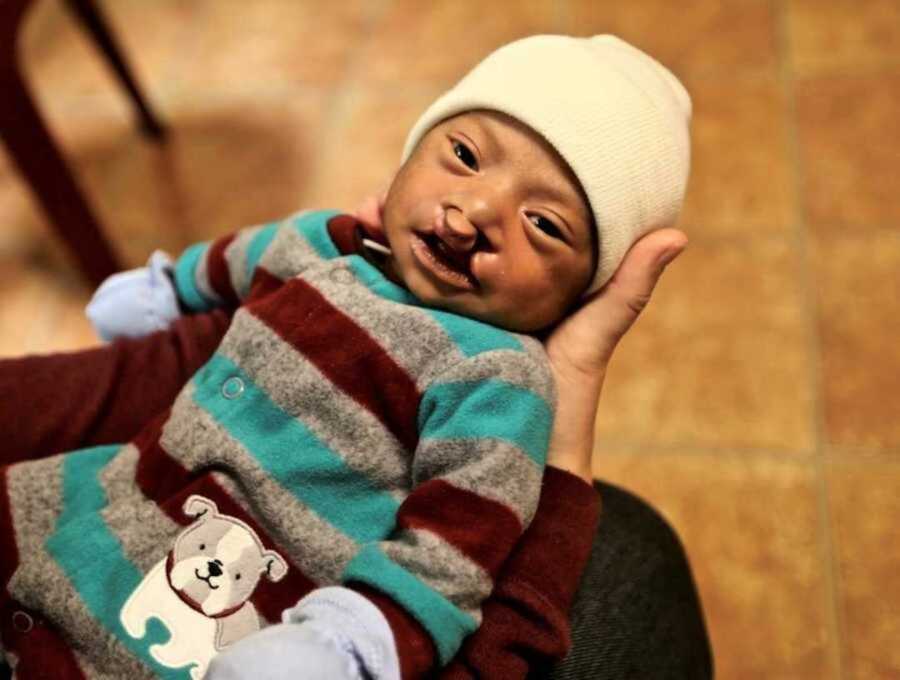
[[371, 210], [581, 346]]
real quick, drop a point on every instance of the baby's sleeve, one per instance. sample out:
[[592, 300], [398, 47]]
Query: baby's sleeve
[[223, 272], [484, 429]]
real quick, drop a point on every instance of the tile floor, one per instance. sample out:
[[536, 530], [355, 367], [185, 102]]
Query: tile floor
[[756, 403]]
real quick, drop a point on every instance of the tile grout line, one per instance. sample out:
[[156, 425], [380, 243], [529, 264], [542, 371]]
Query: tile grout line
[[827, 547]]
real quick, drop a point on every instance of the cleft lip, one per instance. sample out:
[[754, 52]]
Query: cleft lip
[[456, 259], [449, 258], [459, 259]]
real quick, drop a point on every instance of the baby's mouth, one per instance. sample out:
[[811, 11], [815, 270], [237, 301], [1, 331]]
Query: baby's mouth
[[450, 262]]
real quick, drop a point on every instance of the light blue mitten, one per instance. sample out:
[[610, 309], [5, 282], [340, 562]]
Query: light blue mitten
[[286, 651], [137, 302], [332, 634]]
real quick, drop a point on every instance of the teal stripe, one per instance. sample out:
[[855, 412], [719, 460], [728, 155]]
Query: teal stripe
[[375, 281], [257, 246], [314, 228], [474, 337], [488, 409], [293, 456], [445, 622], [185, 278], [93, 560]]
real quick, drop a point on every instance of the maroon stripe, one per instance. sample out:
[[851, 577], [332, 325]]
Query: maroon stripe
[[342, 230], [345, 353], [158, 475], [165, 481], [217, 270], [482, 529], [263, 283], [43, 653]]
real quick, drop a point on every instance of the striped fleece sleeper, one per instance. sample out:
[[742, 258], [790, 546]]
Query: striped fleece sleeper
[[341, 433]]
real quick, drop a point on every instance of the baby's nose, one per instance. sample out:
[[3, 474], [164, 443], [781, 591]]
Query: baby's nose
[[454, 229]]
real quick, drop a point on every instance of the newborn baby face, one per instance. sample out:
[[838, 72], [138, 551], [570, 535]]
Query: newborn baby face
[[486, 220]]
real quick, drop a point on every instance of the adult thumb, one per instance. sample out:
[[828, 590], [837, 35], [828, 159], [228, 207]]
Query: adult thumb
[[632, 285]]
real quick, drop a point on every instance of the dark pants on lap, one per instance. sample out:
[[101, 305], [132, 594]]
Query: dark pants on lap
[[637, 614]]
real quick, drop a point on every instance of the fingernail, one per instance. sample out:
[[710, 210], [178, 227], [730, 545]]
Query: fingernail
[[670, 255]]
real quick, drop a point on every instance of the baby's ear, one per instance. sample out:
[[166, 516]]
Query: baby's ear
[[276, 567], [198, 506]]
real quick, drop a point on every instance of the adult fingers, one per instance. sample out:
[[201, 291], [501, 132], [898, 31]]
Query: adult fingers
[[618, 304], [369, 211], [632, 285], [584, 342]]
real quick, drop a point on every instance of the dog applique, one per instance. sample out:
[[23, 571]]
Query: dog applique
[[201, 590]]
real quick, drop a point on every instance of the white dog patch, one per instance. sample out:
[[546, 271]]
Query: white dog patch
[[200, 591]]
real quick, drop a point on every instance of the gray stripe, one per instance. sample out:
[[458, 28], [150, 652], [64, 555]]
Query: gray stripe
[[442, 568], [35, 490], [35, 499], [193, 438], [201, 281], [145, 532], [42, 585], [289, 253], [543, 376], [410, 335], [515, 367], [301, 390], [492, 469], [236, 257], [421, 346]]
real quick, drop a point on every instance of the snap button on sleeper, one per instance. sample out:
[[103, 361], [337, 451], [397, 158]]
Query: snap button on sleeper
[[232, 388], [22, 622], [341, 276]]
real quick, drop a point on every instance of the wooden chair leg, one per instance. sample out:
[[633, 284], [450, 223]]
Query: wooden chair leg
[[89, 15], [39, 160]]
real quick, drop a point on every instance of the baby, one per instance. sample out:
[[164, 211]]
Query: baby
[[366, 446]]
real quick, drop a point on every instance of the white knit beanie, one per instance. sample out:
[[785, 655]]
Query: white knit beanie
[[617, 116]]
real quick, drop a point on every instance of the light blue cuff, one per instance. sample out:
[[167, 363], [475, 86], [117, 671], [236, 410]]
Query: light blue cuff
[[355, 623], [135, 303], [285, 651]]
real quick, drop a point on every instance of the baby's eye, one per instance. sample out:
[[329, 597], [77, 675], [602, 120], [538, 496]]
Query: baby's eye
[[545, 226], [465, 154]]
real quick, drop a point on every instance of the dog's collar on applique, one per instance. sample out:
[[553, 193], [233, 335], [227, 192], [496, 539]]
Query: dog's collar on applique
[[190, 602]]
